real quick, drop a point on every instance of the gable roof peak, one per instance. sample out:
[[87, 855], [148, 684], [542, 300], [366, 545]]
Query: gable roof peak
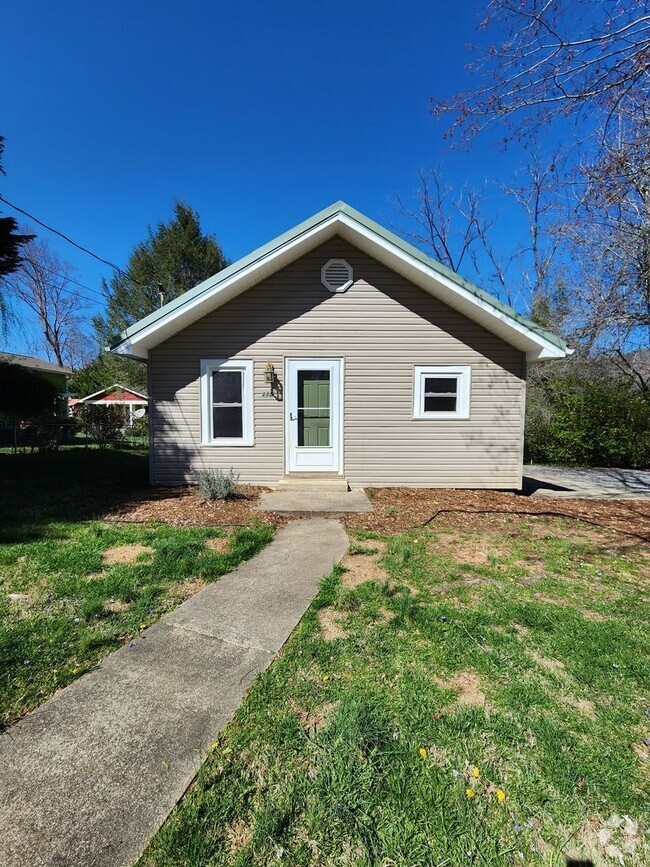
[[371, 238]]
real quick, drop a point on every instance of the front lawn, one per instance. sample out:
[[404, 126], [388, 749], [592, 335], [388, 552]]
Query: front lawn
[[71, 588], [473, 693]]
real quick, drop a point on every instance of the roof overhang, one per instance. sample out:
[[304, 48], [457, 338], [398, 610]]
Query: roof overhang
[[111, 388], [372, 239]]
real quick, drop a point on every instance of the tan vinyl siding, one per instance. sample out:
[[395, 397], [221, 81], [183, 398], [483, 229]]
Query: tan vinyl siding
[[382, 327]]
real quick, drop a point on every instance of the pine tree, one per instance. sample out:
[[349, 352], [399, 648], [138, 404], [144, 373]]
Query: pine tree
[[174, 258]]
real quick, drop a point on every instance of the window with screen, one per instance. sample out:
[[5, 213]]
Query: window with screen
[[441, 392], [227, 402]]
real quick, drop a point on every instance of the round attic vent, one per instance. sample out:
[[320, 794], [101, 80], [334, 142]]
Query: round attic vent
[[336, 275]]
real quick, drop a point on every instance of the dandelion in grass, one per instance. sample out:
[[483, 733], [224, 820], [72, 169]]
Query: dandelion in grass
[[423, 752], [326, 677], [501, 795], [475, 772], [214, 745], [470, 793], [143, 626]]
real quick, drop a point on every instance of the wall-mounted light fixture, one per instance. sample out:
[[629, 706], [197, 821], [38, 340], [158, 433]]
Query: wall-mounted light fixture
[[271, 377]]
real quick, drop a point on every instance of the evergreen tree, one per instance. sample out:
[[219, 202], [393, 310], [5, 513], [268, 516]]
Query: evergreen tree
[[10, 244], [108, 369], [174, 258]]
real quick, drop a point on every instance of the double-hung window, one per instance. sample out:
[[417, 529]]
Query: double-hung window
[[227, 402], [441, 392]]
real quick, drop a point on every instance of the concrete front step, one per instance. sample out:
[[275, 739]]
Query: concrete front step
[[312, 482]]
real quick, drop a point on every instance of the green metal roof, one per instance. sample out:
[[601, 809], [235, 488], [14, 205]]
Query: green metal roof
[[207, 286]]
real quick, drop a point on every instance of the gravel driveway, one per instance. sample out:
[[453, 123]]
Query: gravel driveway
[[611, 482]]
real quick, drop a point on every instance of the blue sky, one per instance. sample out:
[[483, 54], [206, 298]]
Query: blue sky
[[256, 113]]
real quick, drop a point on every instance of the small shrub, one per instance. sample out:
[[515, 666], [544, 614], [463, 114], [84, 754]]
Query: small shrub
[[104, 422], [216, 484]]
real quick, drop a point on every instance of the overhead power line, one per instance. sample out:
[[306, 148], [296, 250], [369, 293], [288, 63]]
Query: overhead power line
[[69, 240], [70, 280]]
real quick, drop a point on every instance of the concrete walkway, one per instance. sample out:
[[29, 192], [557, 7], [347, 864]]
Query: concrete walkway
[[87, 778]]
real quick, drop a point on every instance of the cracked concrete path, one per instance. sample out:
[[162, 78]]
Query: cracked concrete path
[[88, 777]]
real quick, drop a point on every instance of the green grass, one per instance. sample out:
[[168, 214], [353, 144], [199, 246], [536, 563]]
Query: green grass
[[62, 607], [358, 751]]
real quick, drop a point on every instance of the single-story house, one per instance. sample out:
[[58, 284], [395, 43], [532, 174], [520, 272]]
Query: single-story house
[[134, 402], [55, 373], [340, 351]]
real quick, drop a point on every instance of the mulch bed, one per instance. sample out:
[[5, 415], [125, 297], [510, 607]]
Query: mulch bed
[[399, 509], [183, 507], [395, 510]]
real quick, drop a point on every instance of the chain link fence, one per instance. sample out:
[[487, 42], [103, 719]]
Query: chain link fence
[[50, 436]]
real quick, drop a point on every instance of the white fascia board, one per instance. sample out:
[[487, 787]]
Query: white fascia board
[[139, 344], [213, 294], [112, 388], [450, 293]]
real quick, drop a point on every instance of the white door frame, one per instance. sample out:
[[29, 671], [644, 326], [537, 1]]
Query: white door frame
[[307, 459]]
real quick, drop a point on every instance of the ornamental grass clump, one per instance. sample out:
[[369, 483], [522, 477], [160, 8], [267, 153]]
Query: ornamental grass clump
[[216, 484]]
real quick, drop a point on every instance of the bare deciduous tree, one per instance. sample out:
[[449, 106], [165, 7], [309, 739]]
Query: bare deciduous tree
[[454, 226], [447, 222], [43, 284], [553, 58], [611, 243]]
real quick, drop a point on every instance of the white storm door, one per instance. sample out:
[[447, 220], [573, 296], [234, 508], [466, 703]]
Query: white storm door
[[313, 415]]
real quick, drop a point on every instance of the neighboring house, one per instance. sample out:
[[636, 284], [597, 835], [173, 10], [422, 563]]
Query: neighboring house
[[57, 375], [133, 401], [341, 351]]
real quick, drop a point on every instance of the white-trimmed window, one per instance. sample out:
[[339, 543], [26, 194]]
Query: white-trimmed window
[[441, 392], [226, 402]]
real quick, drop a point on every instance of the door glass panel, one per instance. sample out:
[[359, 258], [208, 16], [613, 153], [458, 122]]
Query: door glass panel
[[314, 408]]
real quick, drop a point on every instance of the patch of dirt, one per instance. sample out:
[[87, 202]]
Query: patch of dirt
[[554, 665], [552, 600], [125, 553], [21, 603], [330, 627], [618, 838], [313, 721], [563, 603], [237, 836], [592, 615], [520, 629], [643, 754], [468, 687], [18, 598], [220, 544], [361, 568], [583, 705], [115, 606], [186, 589], [533, 579]]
